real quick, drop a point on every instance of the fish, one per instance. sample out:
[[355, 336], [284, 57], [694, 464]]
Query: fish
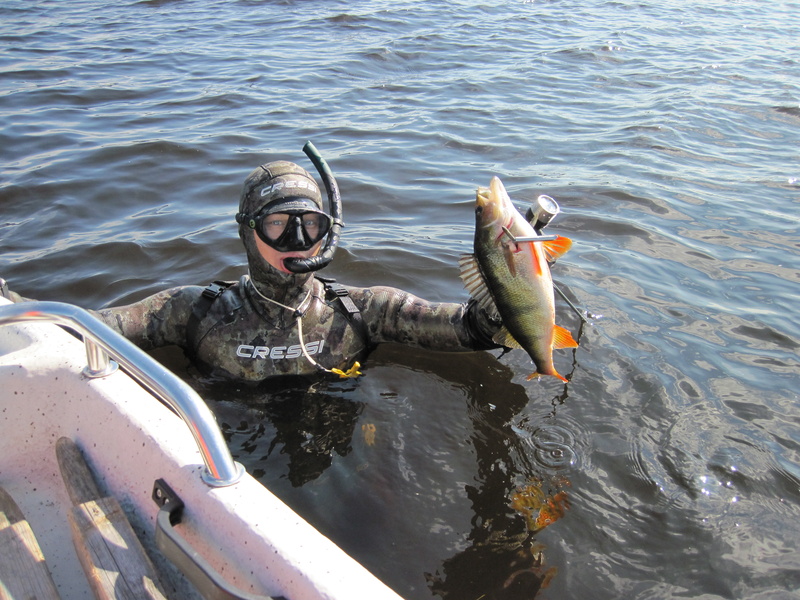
[[511, 280], [539, 509]]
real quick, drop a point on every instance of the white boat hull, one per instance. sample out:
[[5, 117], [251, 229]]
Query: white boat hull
[[130, 439]]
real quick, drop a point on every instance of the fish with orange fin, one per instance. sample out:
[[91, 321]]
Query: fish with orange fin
[[511, 279], [539, 509]]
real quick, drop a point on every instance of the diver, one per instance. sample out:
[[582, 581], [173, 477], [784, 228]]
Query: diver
[[281, 318]]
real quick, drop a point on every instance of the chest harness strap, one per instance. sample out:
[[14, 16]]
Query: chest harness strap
[[199, 310], [336, 294]]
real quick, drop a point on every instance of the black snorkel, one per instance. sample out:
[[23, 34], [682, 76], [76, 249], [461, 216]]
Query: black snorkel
[[325, 256]]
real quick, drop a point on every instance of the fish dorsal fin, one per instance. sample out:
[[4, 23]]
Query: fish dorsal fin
[[504, 338], [476, 285], [563, 338], [555, 249]]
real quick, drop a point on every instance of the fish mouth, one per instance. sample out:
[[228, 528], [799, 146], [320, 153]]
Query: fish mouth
[[482, 197], [490, 201]]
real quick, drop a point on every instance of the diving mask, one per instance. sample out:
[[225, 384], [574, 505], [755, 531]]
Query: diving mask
[[290, 230]]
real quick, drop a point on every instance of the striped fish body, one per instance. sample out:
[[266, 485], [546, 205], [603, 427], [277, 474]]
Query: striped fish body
[[512, 279]]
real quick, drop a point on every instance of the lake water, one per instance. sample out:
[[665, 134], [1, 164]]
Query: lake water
[[668, 131]]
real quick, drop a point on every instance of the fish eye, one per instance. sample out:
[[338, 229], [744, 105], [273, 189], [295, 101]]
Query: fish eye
[[478, 210]]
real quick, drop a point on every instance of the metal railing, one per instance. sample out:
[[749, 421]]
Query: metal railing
[[102, 342]]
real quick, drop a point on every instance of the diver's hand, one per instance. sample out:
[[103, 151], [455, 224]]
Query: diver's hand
[[481, 326]]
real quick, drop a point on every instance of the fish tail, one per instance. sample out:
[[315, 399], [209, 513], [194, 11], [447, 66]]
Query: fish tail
[[554, 374]]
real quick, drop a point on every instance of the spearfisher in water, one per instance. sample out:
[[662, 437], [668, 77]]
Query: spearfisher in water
[[282, 317]]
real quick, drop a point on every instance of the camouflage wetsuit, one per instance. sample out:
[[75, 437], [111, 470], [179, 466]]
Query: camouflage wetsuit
[[245, 336]]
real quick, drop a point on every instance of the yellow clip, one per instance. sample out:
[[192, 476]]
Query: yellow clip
[[351, 372]]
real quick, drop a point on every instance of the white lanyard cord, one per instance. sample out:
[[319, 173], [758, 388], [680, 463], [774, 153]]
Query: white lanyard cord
[[298, 317]]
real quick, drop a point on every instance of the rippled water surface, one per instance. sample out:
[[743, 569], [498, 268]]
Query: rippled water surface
[[668, 466]]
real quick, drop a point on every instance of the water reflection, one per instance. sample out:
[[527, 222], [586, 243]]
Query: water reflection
[[447, 438], [513, 496], [306, 421]]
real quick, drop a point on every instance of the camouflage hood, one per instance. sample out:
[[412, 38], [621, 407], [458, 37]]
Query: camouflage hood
[[275, 184]]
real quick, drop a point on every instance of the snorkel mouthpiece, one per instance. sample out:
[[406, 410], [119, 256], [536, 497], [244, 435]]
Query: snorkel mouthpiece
[[325, 256]]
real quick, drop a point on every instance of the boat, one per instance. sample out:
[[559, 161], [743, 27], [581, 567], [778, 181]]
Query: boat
[[99, 440]]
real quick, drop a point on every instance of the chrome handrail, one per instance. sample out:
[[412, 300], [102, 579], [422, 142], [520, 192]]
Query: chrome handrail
[[101, 342]]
